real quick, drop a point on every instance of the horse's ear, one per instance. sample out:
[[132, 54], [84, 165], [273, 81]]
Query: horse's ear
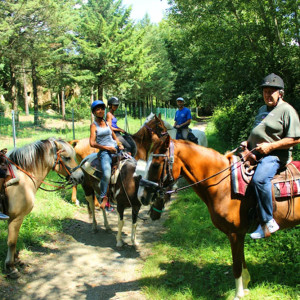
[[73, 143], [166, 142], [58, 145]]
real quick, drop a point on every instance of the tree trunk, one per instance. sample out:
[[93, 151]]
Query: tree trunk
[[63, 108], [26, 104], [35, 96], [92, 100]]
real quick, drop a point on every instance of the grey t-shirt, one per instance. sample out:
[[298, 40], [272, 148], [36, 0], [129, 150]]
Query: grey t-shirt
[[274, 124]]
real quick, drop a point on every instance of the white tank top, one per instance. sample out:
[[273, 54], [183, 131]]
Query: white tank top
[[104, 136]]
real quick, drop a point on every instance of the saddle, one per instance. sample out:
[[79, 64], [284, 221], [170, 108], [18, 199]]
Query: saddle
[[286, 183], [91, 165]]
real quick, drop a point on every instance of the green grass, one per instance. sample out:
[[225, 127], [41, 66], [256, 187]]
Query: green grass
[[193, 258]]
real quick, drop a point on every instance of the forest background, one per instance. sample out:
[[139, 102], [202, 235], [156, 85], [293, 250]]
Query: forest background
[[212, 53]]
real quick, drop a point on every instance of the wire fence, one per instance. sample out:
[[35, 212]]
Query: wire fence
[[17, 129]]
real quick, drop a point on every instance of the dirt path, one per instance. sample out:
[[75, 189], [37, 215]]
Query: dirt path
[[79, 264]]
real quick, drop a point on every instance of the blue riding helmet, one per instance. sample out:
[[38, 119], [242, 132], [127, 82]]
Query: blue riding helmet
[[97, 103]]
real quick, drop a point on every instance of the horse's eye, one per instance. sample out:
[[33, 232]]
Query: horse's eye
[[67, 158]]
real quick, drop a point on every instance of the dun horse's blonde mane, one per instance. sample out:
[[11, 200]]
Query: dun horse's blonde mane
[[31, 156]]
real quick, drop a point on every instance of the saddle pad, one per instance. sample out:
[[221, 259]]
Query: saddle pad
[[239, 185], [281, 189], [92, 166]]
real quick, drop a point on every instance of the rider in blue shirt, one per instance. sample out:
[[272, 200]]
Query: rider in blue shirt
[[182, 119]]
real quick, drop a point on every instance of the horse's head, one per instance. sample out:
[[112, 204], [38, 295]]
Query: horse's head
[[64, 157], [156, 126], [158, 174]]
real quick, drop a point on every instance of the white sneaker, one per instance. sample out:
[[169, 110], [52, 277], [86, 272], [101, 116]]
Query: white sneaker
[[259, 233], [3, 216], [272, 226]]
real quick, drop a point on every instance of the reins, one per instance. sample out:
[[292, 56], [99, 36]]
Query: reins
[[214, 175]]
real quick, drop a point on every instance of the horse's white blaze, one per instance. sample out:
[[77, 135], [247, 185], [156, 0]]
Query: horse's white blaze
[[119, 234], [141, 189]]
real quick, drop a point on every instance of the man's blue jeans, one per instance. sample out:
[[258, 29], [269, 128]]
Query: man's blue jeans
[[261, 182], [106, 161]]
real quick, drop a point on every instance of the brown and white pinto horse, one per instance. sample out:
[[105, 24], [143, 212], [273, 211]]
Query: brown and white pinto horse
[[124, 191], [211, 171], [34, 162]]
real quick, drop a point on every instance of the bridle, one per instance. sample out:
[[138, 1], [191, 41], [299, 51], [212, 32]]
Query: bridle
[[59, 161], [157, 130]]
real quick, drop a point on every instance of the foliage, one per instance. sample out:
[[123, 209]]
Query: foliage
[[234, 121], [81, 108], [221, 49]]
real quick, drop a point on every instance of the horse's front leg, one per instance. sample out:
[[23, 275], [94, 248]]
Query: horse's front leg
[[106, 225], [240, 271], [135, 212], [120, 225], [74, 195], [90, 200], [13, 232]]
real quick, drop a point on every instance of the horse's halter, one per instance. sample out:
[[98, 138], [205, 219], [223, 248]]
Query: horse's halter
[[166, 178], [59, 161]]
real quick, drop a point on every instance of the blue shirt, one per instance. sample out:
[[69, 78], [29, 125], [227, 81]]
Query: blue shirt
[[183, 115]]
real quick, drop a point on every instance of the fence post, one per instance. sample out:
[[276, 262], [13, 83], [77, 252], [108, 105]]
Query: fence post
[[13, 127], [73, 126], [126, 121], [141, 114]]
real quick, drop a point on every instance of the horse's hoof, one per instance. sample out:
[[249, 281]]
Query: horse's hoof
[[119, 244], [246, 292], [108, 229], [14, 274], [77, 203], [95, 230]]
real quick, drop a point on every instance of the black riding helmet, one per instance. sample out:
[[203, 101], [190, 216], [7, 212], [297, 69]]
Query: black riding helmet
[[113, 101], [273, 80]]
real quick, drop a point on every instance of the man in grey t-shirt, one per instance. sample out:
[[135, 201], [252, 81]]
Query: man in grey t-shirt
[[276, 130]]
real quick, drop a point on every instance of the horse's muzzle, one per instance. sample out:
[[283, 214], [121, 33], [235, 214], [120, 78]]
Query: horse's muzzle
[[77, 177]]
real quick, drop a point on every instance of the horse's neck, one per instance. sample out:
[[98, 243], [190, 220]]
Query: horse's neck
[[198, 163], [143, 141]]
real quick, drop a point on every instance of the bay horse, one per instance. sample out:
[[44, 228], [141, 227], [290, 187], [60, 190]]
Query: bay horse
[[208, 172], [34, 162], [124, 191], [142, 139]]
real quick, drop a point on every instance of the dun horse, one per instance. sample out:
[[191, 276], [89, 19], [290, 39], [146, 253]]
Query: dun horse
[[34, 162], [124, 191], [211, 171]]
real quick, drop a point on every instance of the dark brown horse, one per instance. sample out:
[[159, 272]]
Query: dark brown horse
[[124, 191], [211, 171], [34, 162]]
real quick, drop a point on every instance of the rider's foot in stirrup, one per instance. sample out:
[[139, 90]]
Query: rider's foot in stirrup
[[3, 216]]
